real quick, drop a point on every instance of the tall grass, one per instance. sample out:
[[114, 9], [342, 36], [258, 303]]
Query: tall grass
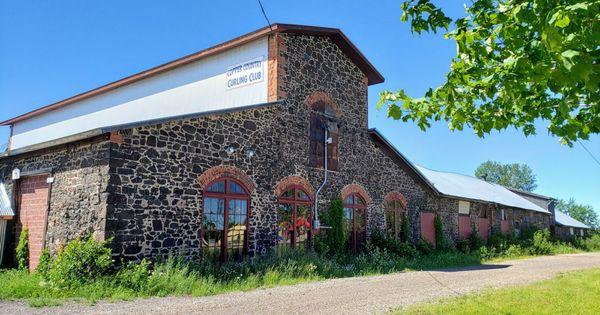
[[177, 276]]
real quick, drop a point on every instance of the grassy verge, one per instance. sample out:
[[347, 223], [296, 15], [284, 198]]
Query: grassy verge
[[570, 293], [198, 279], [84, 271]]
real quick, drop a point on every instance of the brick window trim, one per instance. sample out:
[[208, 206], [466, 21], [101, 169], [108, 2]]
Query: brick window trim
[[355, 189], [222, 171], [293, 180], [322, 96], [395, 196]]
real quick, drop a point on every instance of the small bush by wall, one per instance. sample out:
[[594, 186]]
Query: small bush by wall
[[22, 250], [406, 229], [78, 263], [334, 239], [379, 240]]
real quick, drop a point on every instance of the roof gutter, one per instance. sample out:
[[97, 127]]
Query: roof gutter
[[108, 129], [53, 143]]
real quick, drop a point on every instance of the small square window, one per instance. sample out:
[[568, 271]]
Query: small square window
[[464, 207]]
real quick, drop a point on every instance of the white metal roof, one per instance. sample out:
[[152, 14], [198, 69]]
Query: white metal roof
[[5, 204], [467, 187], [566, 220]]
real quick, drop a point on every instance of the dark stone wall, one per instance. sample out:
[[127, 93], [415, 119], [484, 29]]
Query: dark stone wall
[[79, 194], [517, 218], [143, 187], [157, 202], [564, 232]]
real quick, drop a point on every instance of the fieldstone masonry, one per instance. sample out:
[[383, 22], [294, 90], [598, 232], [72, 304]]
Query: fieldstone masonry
[[144, 185]]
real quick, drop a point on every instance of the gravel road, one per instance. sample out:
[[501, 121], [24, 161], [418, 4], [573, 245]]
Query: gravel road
[[358, 295]]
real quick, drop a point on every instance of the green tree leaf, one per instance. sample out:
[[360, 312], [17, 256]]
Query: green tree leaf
[[517, 62]]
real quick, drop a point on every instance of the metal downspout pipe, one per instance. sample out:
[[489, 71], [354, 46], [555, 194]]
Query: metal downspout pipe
[[316, 223]]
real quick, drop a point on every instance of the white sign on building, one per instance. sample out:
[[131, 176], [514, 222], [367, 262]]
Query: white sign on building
[[249, 72]]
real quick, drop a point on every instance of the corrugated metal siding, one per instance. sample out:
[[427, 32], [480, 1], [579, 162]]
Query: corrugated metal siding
[[2, 237], [463, 186], [5, 204], [566, 220]]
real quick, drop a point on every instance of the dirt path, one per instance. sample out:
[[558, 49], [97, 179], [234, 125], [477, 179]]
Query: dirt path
[[361, 295]]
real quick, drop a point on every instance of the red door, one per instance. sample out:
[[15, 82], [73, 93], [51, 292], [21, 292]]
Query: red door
[[483, 228], [428, 227], [464, 227], [33, 204], [505, 227]]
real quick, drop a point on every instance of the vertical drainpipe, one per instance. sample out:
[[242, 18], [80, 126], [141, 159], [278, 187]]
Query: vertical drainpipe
[[328, 140]]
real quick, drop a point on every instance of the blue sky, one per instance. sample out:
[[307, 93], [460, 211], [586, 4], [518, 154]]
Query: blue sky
[[52, 50]]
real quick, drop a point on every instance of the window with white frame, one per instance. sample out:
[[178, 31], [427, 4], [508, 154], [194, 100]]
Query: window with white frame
[[502, 214], [464, 207], [581, 232], [571, 231]]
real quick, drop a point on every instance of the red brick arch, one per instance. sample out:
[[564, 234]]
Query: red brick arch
[[355, 189], [293, 180], [395, 195], [226, 171], [321, 96]]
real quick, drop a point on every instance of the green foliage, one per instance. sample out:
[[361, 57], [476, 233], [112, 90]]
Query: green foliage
[[530, 243], [406, 229], [542, 244], [516, 62], [335, 239], [80, 262], [134, 275], [582, 213], [591, 243], [177, 276], [44, 265], [382, 241], [440, 240], [424, 247], [474, 241], [22, 250], [515, 175]]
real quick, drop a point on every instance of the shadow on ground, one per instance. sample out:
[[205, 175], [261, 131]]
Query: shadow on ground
[[474, 268]]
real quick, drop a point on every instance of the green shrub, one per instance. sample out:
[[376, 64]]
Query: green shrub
[[336, 235], [80, 262], [541, 243], [474, 241], [590, 243], [464, 246], [22, 250], [382, 241], [45, 261], [424, 247], [134, 275], [440, 240], [406, 229]]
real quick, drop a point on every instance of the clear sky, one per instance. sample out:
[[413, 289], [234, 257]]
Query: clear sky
[[50, 50]]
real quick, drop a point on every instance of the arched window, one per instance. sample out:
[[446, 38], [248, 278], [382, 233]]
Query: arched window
[[394, 216], [355, 213], [323, 116], [294, 218], [225, 219]]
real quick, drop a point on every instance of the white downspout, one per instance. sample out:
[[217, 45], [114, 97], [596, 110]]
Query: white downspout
[[316, 223]]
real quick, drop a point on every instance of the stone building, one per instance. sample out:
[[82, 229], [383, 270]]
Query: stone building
[[231, 151], [563, 226]]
